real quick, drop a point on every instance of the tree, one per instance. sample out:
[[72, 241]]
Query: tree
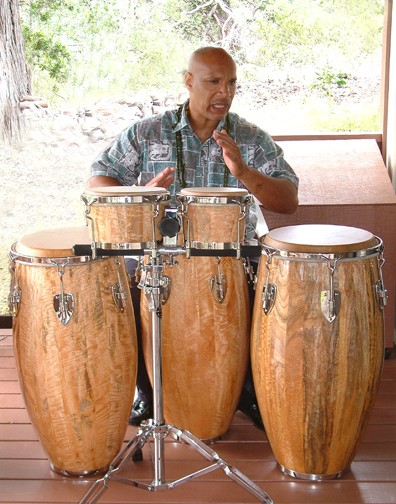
[[14, 79]]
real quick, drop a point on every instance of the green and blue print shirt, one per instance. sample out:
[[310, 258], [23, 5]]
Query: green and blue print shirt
[[148, 146]]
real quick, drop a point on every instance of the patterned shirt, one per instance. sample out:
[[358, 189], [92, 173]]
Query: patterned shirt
[[148, 146]]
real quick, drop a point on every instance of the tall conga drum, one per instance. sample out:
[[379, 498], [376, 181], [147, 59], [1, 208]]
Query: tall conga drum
[[205, 318], [75, 348], [317, 344]]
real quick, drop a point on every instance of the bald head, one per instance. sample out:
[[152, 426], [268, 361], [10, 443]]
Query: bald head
[[209, 56]]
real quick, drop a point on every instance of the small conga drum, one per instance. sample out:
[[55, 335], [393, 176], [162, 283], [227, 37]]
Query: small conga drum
[[214, 218], [317, 344], [75, 348], [125, 217], [205, 321]]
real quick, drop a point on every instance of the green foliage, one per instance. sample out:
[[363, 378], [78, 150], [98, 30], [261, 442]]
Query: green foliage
[[43, 10], [84, 47], [48, 55], [62, 35], [326, 80], [302, 31]]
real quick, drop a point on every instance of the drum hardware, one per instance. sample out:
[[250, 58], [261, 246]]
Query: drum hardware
[[14, 297], [249, 272], [381, 292], [246, 250], [88, 202], [268, 298], [138, 270], [269, 289], [155, 206], [218, 284], [155, 286], [241, 219], [169, 225], [147, 284], [64, 301], [119, 295], [187, 240], [330, 300]]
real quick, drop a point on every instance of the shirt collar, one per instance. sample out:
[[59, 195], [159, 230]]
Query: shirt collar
[[185, 122]]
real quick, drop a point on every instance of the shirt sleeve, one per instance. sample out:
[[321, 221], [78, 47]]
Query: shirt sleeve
[[120, 160], [269, 159]]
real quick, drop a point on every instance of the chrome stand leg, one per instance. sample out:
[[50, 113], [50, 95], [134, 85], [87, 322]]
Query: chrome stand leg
[[157, 429]]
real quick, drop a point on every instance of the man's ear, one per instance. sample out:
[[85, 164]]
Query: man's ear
[[188, 80]]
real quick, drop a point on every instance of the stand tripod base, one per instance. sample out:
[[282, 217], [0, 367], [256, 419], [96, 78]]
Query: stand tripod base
[[158, 432]]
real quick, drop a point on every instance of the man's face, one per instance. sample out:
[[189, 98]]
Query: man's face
[[211, 82]]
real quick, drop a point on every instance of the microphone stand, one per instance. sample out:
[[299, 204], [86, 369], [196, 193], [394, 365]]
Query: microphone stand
[[155, 285]]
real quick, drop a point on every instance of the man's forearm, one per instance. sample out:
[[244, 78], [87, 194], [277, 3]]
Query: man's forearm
[[274, 193]]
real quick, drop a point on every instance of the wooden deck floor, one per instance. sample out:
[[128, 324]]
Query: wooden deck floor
[[25, 475]]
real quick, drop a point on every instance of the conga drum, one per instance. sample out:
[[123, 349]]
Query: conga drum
[[214, 218], [205, 322], [317, 344], [75, 348], [125, 217]]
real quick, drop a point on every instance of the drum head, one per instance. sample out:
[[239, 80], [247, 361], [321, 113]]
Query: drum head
[[227, 192], [125, 191], [54, 242], [324, 238]]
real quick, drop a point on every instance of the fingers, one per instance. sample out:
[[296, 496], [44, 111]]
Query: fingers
[[163, 179], [220, 136]]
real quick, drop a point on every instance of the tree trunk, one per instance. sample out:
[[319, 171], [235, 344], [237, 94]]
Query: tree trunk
[[14, 80]]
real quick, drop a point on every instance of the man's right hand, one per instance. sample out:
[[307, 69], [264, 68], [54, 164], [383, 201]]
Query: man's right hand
[[163, 179]]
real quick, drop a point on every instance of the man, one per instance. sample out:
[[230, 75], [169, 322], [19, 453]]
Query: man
[[199, 144]]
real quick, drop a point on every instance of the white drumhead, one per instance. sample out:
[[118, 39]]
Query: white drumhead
[[53, 242], [125, 191], [320, 238], [214, 191]]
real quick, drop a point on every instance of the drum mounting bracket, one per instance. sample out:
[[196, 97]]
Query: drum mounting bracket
[[218, 284], [64, 301], [14, 297], [330, 300], [268, 298]]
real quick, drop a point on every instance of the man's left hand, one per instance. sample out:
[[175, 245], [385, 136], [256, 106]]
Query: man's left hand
[[231, 153]]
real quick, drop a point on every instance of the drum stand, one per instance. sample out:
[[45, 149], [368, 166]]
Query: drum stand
[[155, 285]]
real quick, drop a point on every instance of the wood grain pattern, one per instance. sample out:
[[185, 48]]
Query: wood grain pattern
[[128, 223], [204, 345], [77, 379], [213, 223], [316, 381]]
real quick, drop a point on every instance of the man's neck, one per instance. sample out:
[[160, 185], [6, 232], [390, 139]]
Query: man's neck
[[202, 128]]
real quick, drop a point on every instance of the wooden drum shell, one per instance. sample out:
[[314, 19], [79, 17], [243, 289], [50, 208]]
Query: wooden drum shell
[[78, 379], [214, 217], [213, 223], [205, 345], [125, 216], [316, 381], [118, 224]]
